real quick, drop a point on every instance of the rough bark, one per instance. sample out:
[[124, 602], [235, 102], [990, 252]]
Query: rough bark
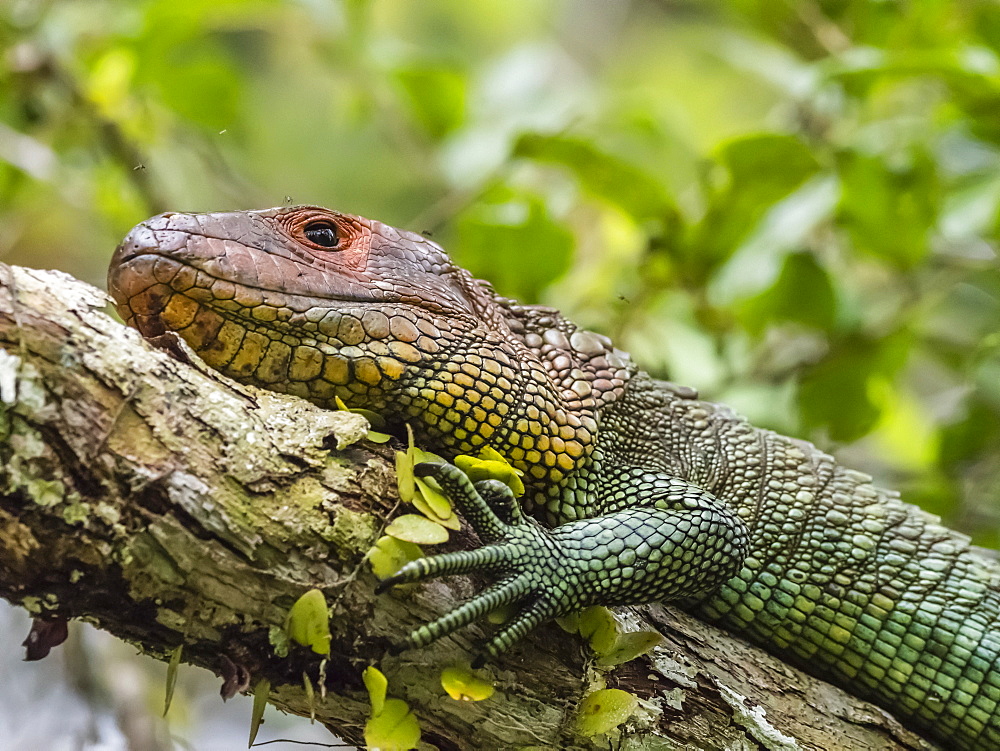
[[168, 505]]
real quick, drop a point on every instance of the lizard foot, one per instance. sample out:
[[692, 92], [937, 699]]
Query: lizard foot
[[683, 545]]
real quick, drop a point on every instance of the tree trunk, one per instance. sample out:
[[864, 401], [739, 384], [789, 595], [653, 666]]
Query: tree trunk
[[168, 505]]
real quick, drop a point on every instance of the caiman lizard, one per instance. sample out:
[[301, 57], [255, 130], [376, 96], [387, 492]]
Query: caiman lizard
[[641, 491]]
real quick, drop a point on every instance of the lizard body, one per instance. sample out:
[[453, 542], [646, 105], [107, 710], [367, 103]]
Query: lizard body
[[646, 492]]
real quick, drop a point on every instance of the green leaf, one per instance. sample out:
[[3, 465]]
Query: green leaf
[[404, 476], [604, 710], [261, 692], [890, 211], [308, 622], [569, 623], [763, 169], [172, 666], [951, 62], [110, 82], [435, 504], [462, 684], [392, 725], [851, 372], [803, 293], [507, 232], [377, 684], [436, 96], [638, 192], [307, 686], [491, 465], [427, 498], [767, 165], [420, 455], [395, 728], [598, 627], [374, 418], [417, 529], [629, 646], [389, 555], [277, 636]]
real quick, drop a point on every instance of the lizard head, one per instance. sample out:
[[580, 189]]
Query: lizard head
[[297, 259], [300, 299]]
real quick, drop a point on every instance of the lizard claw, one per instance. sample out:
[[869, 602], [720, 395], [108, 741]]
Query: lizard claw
[[633, 556], [479, 503], [516, 557]]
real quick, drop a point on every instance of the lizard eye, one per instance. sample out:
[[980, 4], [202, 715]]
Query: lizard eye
[[322, 233]]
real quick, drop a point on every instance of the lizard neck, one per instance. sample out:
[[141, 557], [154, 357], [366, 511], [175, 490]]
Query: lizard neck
[[524, 381], [552, 379]]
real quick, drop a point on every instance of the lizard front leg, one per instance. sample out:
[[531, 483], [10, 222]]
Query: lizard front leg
[[682, 543]]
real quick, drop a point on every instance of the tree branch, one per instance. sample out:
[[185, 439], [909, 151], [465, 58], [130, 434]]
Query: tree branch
[[170, 506]]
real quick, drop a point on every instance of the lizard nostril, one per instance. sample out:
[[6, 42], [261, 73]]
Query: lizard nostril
[[140, 240]]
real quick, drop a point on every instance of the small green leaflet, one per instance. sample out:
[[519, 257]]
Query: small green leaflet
[[404, 476], [392, 726], [388, 555], [374, 419], [598, 627], [308, 622], [278, 638], [628, 647], [462, 684], [377, 684], [417, 529], [602, 711], [175, 661], [490, 464], [422, 492], [434, 504], [261, 692], [395, 728]]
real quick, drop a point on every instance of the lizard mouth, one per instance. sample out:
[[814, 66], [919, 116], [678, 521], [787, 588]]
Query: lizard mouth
[[189, 272], [212, 266], [291, 343], [141, 283], [156, 292]]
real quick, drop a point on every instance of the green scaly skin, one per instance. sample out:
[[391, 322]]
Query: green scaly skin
[[637, 490]]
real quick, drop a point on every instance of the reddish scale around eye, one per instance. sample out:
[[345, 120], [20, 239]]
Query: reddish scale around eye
[[353, 240]]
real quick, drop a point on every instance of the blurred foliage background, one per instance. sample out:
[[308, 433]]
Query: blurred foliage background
[[791, 205]]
